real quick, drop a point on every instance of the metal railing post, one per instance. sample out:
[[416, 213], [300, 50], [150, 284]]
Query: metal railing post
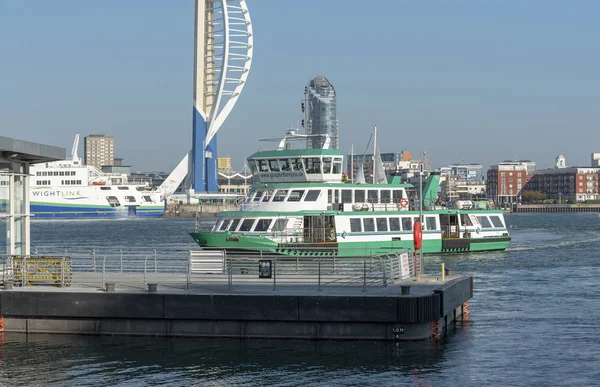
[[274, 272], [121, 259], [103, 273], [384, 272], [155, 269], [62, 272], [229, 275], [364, 275], [319, 287], [145, 267], [189, 269], [24, 272], [94, 260]]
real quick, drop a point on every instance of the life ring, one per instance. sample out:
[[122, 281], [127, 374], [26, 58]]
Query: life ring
[[403, 203]]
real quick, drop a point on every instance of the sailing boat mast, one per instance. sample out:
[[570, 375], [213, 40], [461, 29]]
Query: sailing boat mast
[[352, 164], [374, 153]]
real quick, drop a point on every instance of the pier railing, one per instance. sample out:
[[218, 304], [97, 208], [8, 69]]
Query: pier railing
[[187, 269]]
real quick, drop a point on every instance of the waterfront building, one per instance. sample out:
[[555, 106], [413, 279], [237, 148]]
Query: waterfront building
[[506, 180], [462, 181], [99, 150], [320, 112], [224, 164], [235, 182], [566, 183]]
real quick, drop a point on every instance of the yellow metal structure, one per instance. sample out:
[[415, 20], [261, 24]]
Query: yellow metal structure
[[42, 270]]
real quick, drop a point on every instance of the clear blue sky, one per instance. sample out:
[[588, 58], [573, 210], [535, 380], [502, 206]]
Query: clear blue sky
[[479, 81]]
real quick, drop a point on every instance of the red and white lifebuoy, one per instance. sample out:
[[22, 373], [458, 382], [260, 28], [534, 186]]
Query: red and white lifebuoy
[[418, 235]]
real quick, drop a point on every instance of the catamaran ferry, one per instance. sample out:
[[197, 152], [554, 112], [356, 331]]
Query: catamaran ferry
[[301, 204]]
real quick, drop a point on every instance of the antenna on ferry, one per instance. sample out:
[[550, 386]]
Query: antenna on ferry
[[74, 156]]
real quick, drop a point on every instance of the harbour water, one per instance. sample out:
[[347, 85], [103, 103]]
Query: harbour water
[[534, 320]]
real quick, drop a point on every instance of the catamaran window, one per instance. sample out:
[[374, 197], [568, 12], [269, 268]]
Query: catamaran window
[[297, 165], [263, 166], [465, 220], [253, 167], [313, 165], [430, 223], [346, 196], [262, 225], [285, 165], [496, 221], [105, 188], [113, 201], [368, 224], [359, 196], [130, 199], [147, 198], [280, 195], [123, 188], [372, 195], [382, 224], [268, 194], [296, 196], [259, 194], [234, 225], [326, 164], [406, 223], [274, 165], [394, 224], [279, 225], [329, 196], [355, 225], [247, 225], [397, 195], [312, 195], [225, 224], [336, 195], [485, 222], [217, 224], [385, 196], [337, 166]]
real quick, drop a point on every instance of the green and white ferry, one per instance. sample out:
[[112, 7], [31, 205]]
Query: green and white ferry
[[301, 204]]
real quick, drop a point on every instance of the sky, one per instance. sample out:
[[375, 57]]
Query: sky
[[476, 81]]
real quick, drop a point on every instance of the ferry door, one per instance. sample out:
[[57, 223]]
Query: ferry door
[[319, 229], [450, 226], [131, 210]]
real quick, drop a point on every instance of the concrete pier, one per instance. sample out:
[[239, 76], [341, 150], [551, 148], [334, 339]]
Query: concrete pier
[[410, 310], [557, 208]]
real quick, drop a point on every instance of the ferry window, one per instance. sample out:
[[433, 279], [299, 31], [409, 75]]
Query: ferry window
[[247, 225], [225, 224], [355, 225], [253, 167], [465, 220], [329, 196], [296, 196], [385, 196], [359, 196], [123, 188], [430, 223], [372, 195], [262, 225], [312, 195], [113, 201], [336, 195], [326, 164], [268, 194], [313, 165], [105, 188], [285, 165], [38, 173], [78, 181], [263, 166], [297, 165], [234, 225], [280, 195], [62, 173], [130, 199], [147, 198], [485, 222], [397, 195], [274, 165], [259, 194], [368, 224], [337, 166], [280, 225], [346, 196], [382, 224], [394, 224], [406, 223], [496, 221]]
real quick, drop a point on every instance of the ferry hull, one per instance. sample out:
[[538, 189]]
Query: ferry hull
[[50, 211]]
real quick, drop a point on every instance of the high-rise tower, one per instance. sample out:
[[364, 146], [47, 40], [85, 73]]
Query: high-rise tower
[[320, 111], [223, 54]]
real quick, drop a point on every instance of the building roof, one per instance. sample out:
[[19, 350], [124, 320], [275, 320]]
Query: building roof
[[31, 152]]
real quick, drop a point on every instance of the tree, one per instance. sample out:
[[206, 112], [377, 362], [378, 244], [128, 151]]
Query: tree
[[532, 196]]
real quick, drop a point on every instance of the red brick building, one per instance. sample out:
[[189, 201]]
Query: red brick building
[[507, 179]]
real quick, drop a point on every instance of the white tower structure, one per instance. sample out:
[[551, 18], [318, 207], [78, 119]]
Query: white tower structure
[[223, 45]]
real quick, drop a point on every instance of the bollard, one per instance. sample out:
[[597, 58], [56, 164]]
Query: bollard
[[110, 287], [443, 272], [152, 288], [404, 290], [8, 285]]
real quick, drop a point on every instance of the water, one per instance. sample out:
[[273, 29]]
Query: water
[[535, 318]]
